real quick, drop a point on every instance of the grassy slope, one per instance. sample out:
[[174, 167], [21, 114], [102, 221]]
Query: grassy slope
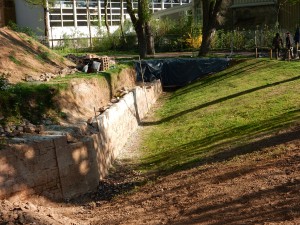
[[223, 113]]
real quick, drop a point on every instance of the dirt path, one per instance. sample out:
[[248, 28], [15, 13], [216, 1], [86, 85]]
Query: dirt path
[[261, 187]]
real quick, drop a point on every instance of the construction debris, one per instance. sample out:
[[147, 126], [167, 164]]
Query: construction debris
[[91, 63]]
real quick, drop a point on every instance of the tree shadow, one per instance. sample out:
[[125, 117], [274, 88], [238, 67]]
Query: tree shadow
[[209, 80], [166, 119], [242, 210], [220, 147]]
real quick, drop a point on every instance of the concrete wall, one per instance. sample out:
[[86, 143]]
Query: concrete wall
[[50, 166]]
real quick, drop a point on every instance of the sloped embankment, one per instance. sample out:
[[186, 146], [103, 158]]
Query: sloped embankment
[[22, 56]]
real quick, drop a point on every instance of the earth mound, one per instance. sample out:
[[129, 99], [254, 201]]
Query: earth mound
[[22, 57]]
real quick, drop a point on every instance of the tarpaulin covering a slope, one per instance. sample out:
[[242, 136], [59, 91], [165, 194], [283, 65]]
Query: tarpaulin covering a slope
[[178, 72]]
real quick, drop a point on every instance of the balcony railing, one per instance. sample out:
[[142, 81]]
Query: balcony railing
[[246, 3]]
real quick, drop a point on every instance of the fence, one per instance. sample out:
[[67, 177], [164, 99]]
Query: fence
[[236, 40]]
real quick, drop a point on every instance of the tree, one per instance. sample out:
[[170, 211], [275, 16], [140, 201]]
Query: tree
[[88, 14], [106, 16], [44, 4], [212, 16], [140, 21]]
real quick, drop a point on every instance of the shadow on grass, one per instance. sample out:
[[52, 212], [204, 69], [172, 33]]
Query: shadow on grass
[[214, 79], [222, 146], [218, 101]]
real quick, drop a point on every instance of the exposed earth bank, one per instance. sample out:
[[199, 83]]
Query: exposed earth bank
[[23, 58], [256, 184]]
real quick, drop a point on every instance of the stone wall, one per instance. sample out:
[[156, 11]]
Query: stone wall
[[50, 166]]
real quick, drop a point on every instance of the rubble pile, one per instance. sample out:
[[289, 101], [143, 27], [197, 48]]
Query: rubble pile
[[45, 77], [29, 213], [19, 130], [119, 94], [91, 63]]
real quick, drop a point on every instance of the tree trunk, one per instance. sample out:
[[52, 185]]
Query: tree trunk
[[211, 11], [150, 39], [207, 37], [46, 22], [124, 41], [89, 22], [106, 16], [142, 42], [138, 24]]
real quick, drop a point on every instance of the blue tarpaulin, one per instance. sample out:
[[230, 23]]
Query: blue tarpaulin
[[178, 72]]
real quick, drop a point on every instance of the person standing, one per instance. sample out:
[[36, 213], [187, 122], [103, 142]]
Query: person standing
[[297, 40], [277, 44], [288, 45]]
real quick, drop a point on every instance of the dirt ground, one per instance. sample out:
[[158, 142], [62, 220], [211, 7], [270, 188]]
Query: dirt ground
[[21, 56], [257, 184]]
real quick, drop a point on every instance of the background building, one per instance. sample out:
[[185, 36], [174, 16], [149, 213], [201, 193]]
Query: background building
[[76, 18]]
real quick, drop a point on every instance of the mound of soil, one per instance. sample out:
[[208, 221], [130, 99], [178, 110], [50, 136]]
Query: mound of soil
[[23, 56]]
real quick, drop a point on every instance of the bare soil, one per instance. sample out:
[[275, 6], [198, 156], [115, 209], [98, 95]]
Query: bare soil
[[23, 56], [257, 184]]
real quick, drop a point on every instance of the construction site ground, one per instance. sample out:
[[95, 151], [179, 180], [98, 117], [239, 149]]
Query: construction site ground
[[255, 185]]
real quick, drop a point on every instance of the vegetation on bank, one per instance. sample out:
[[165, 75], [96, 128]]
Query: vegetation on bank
[[35, 101], [223, 115]]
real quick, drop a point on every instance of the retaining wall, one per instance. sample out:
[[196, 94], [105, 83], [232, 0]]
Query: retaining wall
[[52, 167]]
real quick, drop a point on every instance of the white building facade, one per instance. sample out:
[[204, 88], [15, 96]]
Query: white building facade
[[71, 18]]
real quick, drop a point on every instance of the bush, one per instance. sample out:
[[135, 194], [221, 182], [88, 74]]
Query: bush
[[13, 26]]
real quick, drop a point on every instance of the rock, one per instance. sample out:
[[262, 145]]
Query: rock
[[20, 128], [48, 122], [31, 207], [114, 100], [103, 108], [29, 129], [29, 78], [1, 129], [90, 120], [40, 128], [7, 129], [71, 139]]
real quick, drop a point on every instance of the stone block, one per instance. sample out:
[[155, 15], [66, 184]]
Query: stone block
[[45, 146]]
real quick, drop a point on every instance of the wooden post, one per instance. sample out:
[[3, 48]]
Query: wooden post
[[289, 54], [277, 54], [271, 54], [255, 52]]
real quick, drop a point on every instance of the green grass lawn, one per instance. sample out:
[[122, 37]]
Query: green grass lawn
[[223, 115]]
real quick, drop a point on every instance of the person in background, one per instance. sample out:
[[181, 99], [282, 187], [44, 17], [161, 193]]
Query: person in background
[[297, 40], [288, 45], [277, 44]]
